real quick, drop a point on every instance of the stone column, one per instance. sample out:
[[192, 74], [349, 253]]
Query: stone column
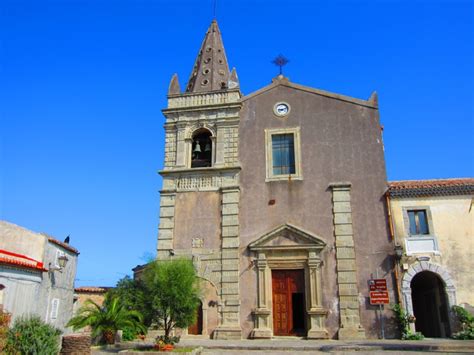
[[350, 327], [316, 312], [166, 227], [230, 293], [262, 313]]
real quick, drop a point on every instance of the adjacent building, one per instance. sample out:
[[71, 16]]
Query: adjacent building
[[279, 199], [433, 224], [36, 275]]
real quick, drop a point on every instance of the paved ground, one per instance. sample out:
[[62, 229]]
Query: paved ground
[[301, 346]]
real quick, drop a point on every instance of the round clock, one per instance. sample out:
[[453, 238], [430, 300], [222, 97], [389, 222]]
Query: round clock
[[281, 109]]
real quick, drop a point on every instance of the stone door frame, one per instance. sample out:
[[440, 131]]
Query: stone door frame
[[303, 253]]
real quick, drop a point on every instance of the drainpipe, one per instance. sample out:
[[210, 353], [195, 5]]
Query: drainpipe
[[392, 237]]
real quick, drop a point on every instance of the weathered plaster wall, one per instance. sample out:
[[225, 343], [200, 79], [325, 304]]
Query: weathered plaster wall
[[197, 215], [59, 285], [453, 224], [32, 291], [19, 240], [340, 141]]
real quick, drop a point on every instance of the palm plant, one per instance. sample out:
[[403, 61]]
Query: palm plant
[[107, 319]]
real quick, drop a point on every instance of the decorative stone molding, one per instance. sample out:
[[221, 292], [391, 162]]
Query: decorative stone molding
[[200, 179], [203, 99], [288, 247]]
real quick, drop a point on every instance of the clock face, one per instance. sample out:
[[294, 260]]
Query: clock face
[[281, 109]]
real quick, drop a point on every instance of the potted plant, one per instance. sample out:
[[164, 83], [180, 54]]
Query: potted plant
[[165, 343]]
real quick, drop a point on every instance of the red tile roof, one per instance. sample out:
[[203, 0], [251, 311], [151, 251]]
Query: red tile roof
[[91, 289], [459, 186], [19, 260]]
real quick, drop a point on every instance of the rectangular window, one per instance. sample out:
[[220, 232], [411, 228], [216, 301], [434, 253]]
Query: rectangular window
[[283, 156], [283, 152], [418, 222]]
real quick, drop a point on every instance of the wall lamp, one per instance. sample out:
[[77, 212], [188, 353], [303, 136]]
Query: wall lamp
[[62, 261], [398, 251]]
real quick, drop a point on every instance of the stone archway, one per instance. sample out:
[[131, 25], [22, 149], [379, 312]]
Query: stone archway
[[441, 273]]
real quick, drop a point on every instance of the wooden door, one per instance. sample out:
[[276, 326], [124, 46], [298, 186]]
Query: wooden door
[[196, 328], [288, 301]]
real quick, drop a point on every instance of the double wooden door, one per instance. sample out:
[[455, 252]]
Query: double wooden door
[[288, 302]]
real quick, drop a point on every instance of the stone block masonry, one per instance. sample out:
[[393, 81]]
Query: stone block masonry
[[350, 327], [230, 310]]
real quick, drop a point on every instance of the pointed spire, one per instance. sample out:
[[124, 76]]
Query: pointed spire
[[174, 88], [374, 99], [210, 71], [234, 79]]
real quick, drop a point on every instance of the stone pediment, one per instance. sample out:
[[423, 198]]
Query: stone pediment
[[288, 237]]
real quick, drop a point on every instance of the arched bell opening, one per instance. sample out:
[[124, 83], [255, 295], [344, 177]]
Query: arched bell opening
[[201, 154], [430, 305]]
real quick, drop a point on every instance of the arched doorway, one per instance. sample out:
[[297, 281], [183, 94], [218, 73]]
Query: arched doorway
[[196, 328], [430, 305]]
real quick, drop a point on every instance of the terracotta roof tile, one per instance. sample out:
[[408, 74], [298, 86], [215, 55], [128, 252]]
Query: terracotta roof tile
[[19, 260], [434, 187], [92, 289], [63, 245]]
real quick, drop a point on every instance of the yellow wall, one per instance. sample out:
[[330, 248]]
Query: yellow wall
[[453, 226]]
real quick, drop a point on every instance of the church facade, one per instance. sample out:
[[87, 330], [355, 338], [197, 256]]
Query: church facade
[[278, 198]]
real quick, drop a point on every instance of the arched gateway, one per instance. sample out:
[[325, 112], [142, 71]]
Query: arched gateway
[[429, 293]]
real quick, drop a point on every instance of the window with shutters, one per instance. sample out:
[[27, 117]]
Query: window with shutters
[[54, 308]]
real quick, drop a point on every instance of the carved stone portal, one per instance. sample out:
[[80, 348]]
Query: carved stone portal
[[288, 247]]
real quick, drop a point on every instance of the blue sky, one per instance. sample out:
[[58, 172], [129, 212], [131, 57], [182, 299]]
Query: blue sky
[[83, 84]]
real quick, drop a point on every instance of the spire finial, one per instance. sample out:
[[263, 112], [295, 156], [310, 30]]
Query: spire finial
[[215, 7], [280, 61]]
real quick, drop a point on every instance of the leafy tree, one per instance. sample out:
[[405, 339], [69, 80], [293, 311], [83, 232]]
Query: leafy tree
[[173, 289], [107, 319], [30, 335], [131, 294]]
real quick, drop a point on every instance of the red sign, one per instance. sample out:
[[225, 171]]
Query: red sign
[[379, 297], [378, 285]]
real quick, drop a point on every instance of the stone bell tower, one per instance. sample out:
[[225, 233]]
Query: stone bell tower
[[199, 202]]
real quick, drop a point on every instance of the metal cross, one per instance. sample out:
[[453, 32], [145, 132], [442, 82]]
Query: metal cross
[[280, 61]]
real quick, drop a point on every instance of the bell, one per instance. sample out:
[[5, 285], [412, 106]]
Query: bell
[[207, 148], [197, 149]]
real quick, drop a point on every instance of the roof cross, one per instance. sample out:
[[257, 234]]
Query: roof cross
[[280, 61]]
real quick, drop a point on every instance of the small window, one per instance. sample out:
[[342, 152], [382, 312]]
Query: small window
[[283, 154], [418, 222], [201, 155], [54, 308]]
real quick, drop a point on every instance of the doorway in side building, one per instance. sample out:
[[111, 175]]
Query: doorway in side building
[[430, 305], [288, 302], [196, 328]]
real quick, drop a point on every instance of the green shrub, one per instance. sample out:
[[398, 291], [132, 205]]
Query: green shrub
[[129, 333], [4, 322], [403, 321], [30, 335], [467, 324]]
